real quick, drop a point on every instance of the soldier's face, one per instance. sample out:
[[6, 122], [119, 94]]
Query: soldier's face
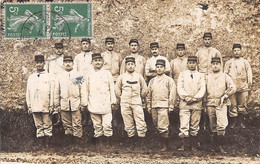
[[237, 52], [160, 69], [134, 47], [68, 65], [207, 41], [40, 65], [97, 63], [154, 51], [180, 52], [216, 66], [59, 51], [192, 65], [110, 46], [130, 67], [85, 45]]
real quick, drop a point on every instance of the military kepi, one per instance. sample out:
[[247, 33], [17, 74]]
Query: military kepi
[[85, 40], [133, 41], [129, 59], [192, 58], [236, 45], [96, 56], [180, 46], [207, 34], [58, 45], [160, 62], [109, 39], [154, 44], [215, 59], [38, 58], [67, 58]]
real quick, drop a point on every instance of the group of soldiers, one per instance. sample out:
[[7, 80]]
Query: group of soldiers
[[106, 87]]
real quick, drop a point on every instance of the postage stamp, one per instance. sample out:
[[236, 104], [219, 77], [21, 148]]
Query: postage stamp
[[25, 21], [71, 19]]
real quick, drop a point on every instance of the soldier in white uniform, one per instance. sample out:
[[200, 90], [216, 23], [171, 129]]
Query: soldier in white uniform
[[101, 98], [130, 90], [219, 87], [70, 98], [150, 68], [191, 89], [39, 99], [241, 73], [139, 59], [160, 101]]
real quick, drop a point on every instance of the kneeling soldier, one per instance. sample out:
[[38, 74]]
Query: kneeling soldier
[[160, 100], [219, 87], [191, 89], [39, 99], [70, 99]]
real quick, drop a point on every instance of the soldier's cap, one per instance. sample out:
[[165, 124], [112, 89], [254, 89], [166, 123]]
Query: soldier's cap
[[192, 58], [154, 44], [160, 62], [67, 58], [58, 45], [133, 41], [207, 34], [215, 59], [129, 59], [85, 40], [38, 58], [180, 46], [110, 39], [237, 45], [96, 56]]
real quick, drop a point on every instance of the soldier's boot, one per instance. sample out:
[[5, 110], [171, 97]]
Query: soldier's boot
[[194, 143], [48, 141], [233, 121], [221, 142], [241, 121], [182, 147], [214, 142], [164, 143]]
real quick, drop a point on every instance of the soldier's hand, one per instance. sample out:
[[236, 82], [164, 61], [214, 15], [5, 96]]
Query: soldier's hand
[[171, 109], [188, 100], [114, 106], [222, 100], [29, 110], [51, 110], [149, 110], [82, 108]]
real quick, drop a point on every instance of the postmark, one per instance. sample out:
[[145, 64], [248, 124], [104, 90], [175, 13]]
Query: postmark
[[25, 21], [71, 19]]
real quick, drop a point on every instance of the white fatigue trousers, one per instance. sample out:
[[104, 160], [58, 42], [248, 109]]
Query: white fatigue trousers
[[161, 120], [189, 122], [43, 124], [102, 124], [133, 115], [71, 121], [238, 101], [218, 120]]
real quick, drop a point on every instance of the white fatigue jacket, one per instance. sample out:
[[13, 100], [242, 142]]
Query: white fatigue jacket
[[218, 84], [139, 61], [150, 65], [240, 72], [70, 91], [112, 62], [204, 59], [192, 84], [100, 91], [54, 65], [82, 63], [39, 92], [161, 92], [131, 88], [178, 65]]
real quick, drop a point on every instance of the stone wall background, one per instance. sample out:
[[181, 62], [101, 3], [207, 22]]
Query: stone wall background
[[165, 21]]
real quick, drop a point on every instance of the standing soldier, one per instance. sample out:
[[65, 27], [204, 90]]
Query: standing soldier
[[179, 64], [140, 60], [219, 87], [101, 97], [130, 90], [70, 98], [112, 62], [160, 101], [39, 99], [150, 68], [191, 89], [241, 73]]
